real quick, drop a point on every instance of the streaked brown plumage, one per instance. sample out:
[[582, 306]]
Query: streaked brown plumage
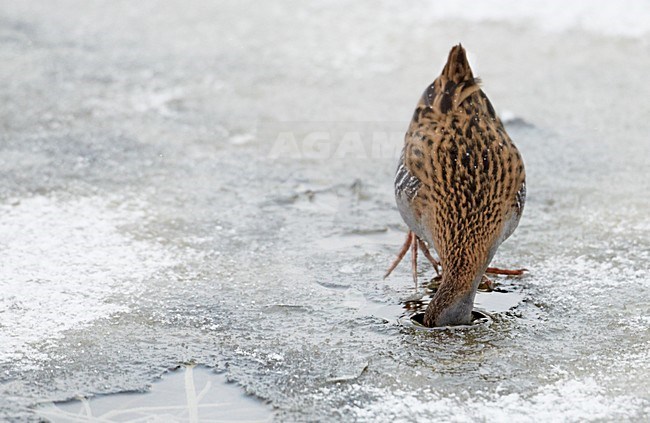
[[460, 186]]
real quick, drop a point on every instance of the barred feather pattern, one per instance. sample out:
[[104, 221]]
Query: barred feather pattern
[[461, 178]]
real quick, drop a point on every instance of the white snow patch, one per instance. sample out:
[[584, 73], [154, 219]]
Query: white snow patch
[[565, 400], [60, 262]]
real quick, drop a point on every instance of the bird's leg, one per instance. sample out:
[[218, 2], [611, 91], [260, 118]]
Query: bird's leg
[[414, 260], [413, 242], [402, 252], [428, 255], [508, 272]]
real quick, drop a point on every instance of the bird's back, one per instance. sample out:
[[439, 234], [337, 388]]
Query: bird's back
[[465, 173]]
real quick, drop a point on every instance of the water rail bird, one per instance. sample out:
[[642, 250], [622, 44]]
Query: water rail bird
[[459, 186]]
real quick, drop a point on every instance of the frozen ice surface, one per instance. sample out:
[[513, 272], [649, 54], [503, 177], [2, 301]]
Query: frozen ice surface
[[146, 219]]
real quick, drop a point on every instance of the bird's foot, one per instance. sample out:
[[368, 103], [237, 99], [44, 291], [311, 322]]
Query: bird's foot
[[486, 285], [413, 242], [434, 283]]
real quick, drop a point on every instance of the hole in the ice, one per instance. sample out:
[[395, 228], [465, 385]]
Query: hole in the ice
[[479, 318]]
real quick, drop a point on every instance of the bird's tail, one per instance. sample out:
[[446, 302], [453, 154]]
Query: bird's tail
[[457, 67]]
